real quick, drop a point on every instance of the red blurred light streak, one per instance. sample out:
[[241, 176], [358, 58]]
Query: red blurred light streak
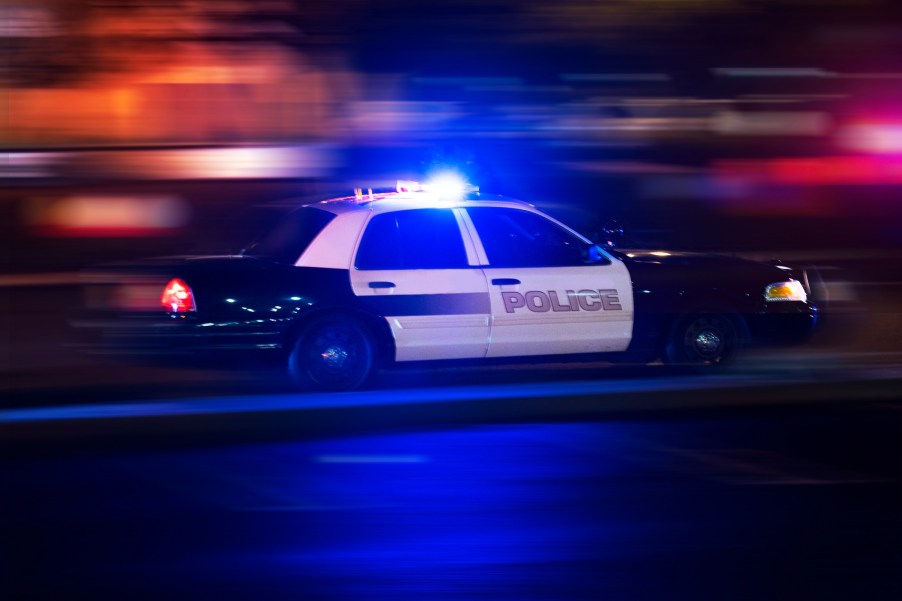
[[814, 171]]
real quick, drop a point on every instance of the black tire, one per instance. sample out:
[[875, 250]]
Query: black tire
[[333, 353], [705, 340]]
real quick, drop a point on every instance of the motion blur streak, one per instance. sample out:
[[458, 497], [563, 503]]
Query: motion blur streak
[[246, 404], [769, 128], [769, 385], [371, 459], [644, 509], [102, 216]]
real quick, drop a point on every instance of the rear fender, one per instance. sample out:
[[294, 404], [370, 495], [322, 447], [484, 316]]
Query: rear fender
[[377, 325]]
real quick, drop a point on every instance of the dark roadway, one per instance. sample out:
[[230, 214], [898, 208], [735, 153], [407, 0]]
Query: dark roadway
[[796, 501], [782, 479]]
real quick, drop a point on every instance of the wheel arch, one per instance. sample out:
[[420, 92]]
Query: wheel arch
[[695, 308], [698, 307], [377, 325]]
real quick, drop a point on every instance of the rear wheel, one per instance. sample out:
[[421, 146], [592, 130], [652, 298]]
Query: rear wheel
[[333, 353], [705, 339]]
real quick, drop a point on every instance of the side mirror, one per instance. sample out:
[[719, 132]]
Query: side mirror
[[596, 255]]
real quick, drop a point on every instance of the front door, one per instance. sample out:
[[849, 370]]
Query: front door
[[551, 291]]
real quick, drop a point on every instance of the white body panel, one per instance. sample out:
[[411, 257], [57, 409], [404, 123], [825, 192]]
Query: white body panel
[[460, 314], [458, 328], [334, 247], [583, 309]]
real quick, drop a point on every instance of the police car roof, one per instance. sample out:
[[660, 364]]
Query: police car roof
[[397, 201]]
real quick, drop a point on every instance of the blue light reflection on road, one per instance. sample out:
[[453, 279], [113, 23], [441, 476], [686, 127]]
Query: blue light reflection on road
[[612, 510], [283, 402], [406, 516]]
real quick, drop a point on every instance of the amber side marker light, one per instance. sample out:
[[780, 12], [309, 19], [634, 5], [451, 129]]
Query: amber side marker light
[[177, 297], [786, 291]]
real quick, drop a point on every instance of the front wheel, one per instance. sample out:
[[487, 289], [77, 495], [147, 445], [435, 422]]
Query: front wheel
[[704, 340], [333, 353]]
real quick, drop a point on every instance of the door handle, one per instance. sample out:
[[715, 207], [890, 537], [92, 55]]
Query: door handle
[[381, 284], [505, 282]]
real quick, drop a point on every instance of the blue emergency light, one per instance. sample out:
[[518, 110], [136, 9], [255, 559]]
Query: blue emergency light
[[445, 186]]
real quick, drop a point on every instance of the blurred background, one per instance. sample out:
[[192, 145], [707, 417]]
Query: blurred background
[[725, 124], [770, 129]]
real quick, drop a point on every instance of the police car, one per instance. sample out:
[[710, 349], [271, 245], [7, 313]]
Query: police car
[[343, 287]]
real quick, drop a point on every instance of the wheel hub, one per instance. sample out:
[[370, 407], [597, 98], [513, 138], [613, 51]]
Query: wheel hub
[[335, 356], [708, 341]]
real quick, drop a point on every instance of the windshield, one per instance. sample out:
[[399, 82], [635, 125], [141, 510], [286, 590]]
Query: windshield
[[286, 241]]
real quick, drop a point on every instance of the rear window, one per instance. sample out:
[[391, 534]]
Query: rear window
[[288, 240]]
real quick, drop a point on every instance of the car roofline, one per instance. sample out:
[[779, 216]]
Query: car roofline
[[395, 201]]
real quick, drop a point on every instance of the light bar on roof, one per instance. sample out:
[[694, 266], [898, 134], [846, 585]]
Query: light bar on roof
[[446, 187], [408, 186]]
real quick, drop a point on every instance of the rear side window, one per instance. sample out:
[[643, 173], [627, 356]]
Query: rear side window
[[288, 240], [515, 238], [415, 239]]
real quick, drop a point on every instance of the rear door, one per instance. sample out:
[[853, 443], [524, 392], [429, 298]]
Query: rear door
[[416, 269], [552, 292]]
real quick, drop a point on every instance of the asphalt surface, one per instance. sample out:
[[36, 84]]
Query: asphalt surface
[[487, 500], [780, 479]]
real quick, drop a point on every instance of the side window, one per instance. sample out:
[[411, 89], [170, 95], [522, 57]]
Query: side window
[[515, 238], [415, 239]]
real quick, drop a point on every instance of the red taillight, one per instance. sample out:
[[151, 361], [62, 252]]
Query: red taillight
[[177, 297]]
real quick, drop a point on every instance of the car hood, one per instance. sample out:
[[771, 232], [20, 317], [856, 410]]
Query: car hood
[[722, 266]]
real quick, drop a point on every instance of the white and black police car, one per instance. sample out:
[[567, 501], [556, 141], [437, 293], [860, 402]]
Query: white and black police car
[[343, 287]]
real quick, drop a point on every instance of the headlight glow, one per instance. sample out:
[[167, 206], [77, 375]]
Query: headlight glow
[[791, 290]]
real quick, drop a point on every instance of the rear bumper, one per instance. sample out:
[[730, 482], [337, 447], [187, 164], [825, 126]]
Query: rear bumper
[[162, 336]]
